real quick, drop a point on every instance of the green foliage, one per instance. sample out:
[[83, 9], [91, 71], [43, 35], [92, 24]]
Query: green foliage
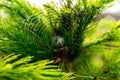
[[104, 67], [28, 30], [26, 34], [100, 59], [107, 34], [12, 67]]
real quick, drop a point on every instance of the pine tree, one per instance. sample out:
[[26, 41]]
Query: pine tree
[[57, 33]]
